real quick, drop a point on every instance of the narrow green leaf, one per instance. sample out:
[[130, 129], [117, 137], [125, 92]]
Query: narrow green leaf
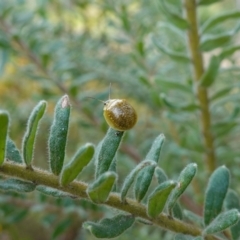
[[221, 93], [211, 42], [107, 151], [52, 192], [184, 180], [170, 84], [222, 222], [207, 2], [30, 135], [4, 122], [182, 107], [218, 19], [160, 175], [176, 56], [132, 175], [143, 182], [228, 51], [155, 150], [177, 211], [13, 153], [174, 18], [16, 185], [210, 74], [232, 201], [158, 198], [76, 165], [110, 227], [61, 228], [58, 135], [215, 193], [100, 189]]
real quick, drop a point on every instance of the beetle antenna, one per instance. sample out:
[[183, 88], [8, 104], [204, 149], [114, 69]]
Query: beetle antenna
[[95, 99], [109, 93]]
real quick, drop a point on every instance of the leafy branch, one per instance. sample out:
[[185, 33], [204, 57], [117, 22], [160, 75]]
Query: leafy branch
[[159, 208]]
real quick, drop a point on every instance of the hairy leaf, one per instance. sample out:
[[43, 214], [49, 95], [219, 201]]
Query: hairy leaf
[[100, 189], [76, 165], [223, 221], [132, 175], [158, 198], [32, 128], [215, 193], [232, 201], [184, 180], [16, 185], [58, 135], [12, 152], [110, 227], [107, 150]]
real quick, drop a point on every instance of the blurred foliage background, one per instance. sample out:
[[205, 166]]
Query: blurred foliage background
[[78, 47]]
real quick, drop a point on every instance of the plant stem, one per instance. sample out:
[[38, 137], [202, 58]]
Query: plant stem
[[202, 93], [78, 189]]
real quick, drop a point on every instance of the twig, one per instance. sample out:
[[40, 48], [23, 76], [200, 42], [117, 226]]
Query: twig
[[78, 189], [202, 94]]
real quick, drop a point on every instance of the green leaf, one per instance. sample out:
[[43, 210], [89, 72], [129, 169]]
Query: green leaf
[[158, 198], [12, 152], [100, 189], [61, 228], [232, 201], [132, 175], [218, 19], [174, 18], [184, 180], [155, 150], [210, 74], [228, 51], [58, 135], [222, 222], [110, 227], [215, 193], [221, 93], [160, 175], [182, 107], [4, 122], [176, 56], [207, 2], [170, 84], [209, 43], [52, 192], [177, 211], [143, 182], [76, 165], [107, 151], [30, 135], [16, 185]]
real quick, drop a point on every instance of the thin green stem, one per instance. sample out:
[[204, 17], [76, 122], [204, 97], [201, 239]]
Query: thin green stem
[[202, 93], [78, 189]]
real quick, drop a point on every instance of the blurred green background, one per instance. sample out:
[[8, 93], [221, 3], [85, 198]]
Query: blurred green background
[[78, 47]]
